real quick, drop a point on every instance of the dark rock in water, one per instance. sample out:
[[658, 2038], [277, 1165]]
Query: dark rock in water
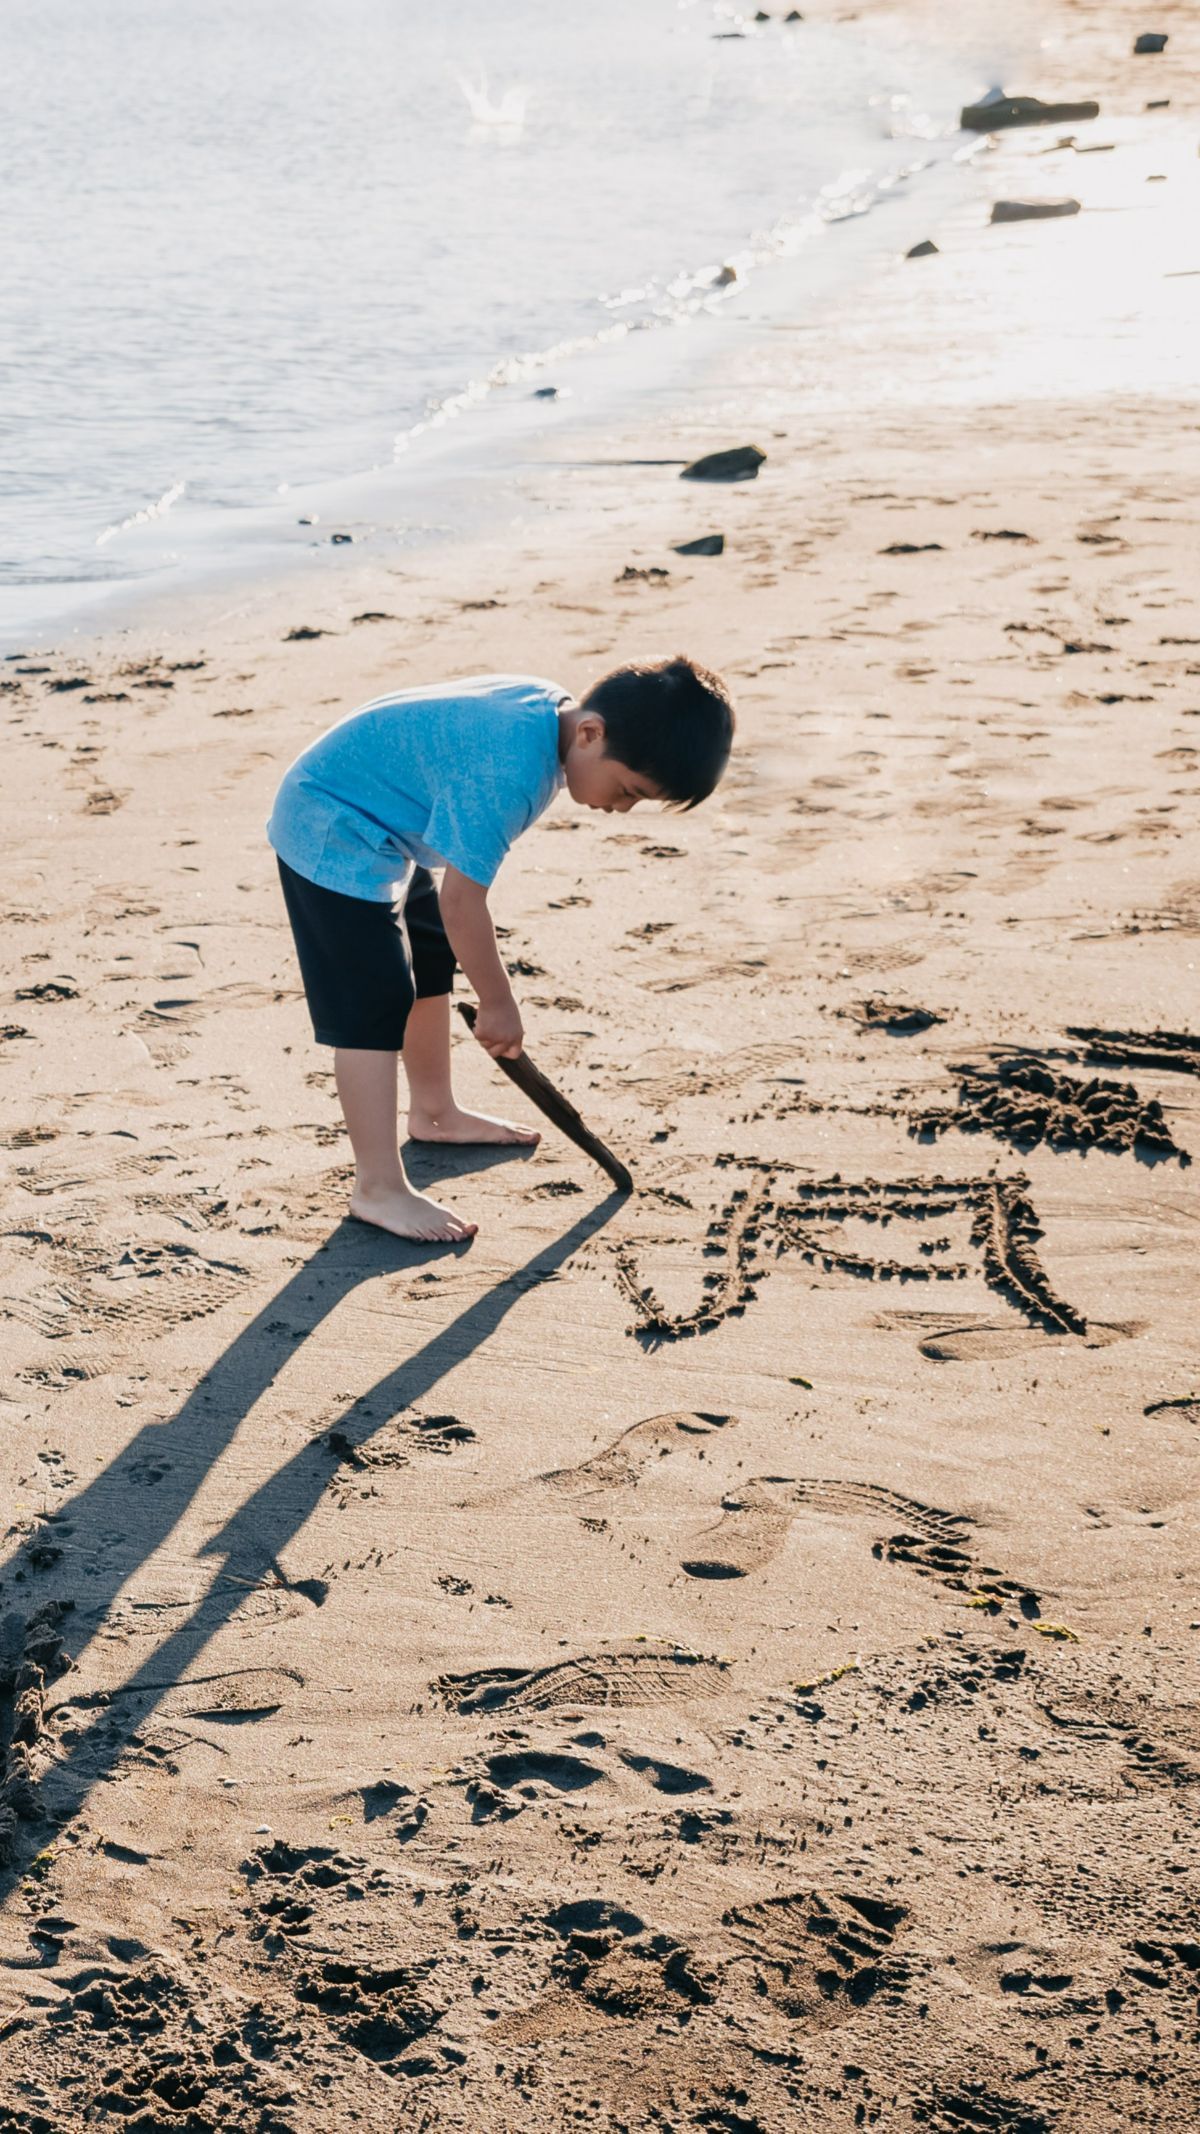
[[1032, 210], [762, 15], [794, 16], [545, 392], [995, 112], [739, 464], [1159, 103], [999, 533], [909, 548], [1150, 41], [295, 636], [924, 250], [707, 545], [341, 540], [653, 574]]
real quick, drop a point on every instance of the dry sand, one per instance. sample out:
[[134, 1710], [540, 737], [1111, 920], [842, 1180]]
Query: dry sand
[[723, 1660]]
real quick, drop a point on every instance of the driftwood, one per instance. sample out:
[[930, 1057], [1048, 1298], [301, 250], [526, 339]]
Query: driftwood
[[556, 1107]]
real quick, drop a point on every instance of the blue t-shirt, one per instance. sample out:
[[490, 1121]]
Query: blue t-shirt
[[427, 777]]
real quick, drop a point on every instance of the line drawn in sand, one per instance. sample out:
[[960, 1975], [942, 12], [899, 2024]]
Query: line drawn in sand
[[1004, 1231], [1026, 1102], [1172, 1050], [736, 1236]]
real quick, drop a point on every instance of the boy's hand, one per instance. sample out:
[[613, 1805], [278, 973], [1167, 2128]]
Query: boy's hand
[[498, 1028], [468, 923]]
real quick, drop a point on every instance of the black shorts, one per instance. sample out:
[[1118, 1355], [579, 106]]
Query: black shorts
[[364, 964]]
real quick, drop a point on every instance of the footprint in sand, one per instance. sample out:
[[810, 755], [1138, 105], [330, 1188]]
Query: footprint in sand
[[676, 1073], [621, 1463], [755, 1522], [1160, 1742], [820, 1954], [43, 1181], [626, 1675], [167, 1025], [969, 1337], [982, 2109], [507, 1779], [145, 1290], [65, 1370], [238, 1696], [32, 1655]]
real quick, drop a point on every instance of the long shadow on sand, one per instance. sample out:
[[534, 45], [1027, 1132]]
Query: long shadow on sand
[[104, 1545]]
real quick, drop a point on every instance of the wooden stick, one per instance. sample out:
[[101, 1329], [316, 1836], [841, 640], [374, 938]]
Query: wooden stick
[[541, 1091]]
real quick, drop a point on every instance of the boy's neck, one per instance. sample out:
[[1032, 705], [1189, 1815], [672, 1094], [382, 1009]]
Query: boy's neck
[[569, 715]]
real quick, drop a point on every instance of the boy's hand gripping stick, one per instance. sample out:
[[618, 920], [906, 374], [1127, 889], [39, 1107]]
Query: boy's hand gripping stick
[[549, 1100]]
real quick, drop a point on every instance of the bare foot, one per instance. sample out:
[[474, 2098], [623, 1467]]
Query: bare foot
[[456, 1125], [409, 1214]]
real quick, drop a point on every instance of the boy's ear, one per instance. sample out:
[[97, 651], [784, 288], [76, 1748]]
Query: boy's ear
[[591, 729]]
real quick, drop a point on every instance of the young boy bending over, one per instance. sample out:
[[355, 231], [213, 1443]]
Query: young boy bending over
[[446, 777]]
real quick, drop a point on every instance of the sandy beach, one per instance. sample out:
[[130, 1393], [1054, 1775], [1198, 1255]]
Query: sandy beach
[[723, 1659]]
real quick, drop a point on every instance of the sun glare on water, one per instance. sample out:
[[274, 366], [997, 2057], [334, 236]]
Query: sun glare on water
[[504, 112]]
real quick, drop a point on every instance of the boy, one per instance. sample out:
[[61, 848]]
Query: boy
[[447, 777]]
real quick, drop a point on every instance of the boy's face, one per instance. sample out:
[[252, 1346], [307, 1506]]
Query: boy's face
[[597, 780]]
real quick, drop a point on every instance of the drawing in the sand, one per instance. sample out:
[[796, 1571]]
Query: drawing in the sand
[[760, 1223]]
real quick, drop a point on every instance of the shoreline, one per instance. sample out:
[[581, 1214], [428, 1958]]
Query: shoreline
[[417, 498], [723, 1658]]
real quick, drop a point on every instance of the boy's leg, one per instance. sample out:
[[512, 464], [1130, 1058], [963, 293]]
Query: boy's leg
[[366, 1087], [358, 982], [433, 1114]]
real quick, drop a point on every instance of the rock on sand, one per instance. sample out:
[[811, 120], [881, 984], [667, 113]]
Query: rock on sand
[[992, 113], [1032, 210], [739, 464]]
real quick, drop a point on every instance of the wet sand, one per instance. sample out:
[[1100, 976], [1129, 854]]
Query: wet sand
[[723, 1659]]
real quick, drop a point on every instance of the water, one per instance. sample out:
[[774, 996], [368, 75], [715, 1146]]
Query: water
[[256, 245]]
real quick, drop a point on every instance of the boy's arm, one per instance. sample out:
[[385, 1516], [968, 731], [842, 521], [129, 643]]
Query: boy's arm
[[471, 935]]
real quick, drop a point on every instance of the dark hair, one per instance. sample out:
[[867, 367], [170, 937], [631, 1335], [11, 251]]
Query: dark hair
[[670, 720]]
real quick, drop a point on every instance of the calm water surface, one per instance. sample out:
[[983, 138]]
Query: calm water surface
[[258, 243]]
